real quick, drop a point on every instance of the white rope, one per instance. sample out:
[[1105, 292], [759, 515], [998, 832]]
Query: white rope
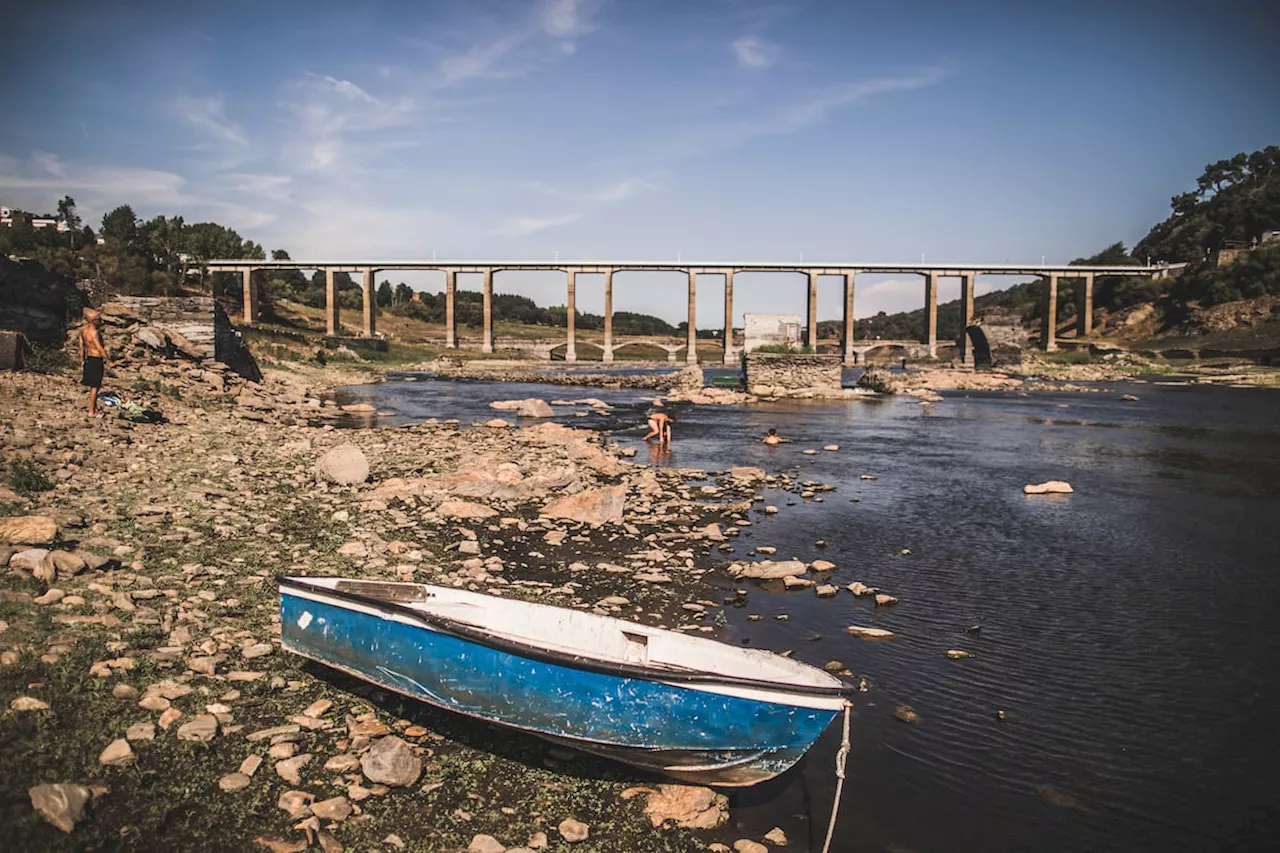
[[842, 756]]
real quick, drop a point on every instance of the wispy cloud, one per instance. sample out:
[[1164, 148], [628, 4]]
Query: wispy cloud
[[753, 52], [346, 87], [209, 114], [565, 18], [816, 108], [522, 226]]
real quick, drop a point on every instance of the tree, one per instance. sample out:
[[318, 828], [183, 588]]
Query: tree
[[403, 294], [120, 228], [67, 213], [385, 294]]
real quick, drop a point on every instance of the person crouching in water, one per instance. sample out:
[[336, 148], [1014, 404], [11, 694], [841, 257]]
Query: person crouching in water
[[773, 438], [660, 426], [93, 356]]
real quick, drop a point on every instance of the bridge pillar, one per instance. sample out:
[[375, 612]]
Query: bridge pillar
[[967, 283], [811, 333], [850, 357], [1049, 314], [450, 298], [487, 345], [250, 298], [930, 339], [691, 355], [607, 354], [728, 318], [571, 349], [1084, 306], [331, 306], [370, 302]]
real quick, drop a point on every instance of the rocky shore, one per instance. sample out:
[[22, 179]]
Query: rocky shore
[[145, 694]]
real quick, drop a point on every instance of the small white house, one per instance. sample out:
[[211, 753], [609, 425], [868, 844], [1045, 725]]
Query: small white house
[[760, 330]]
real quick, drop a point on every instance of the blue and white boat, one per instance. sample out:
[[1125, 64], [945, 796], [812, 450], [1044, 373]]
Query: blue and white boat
[[693, 708]]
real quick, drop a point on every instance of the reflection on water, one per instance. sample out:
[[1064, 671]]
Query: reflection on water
[[1127, 631]]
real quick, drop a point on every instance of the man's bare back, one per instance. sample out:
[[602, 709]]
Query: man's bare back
[[93, 356]]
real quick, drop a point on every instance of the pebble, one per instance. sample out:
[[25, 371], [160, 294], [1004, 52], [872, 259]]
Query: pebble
[[883, 600], [905, 714], [830, 448], [391, 761], [486, 843], [28, 703], [335, 809], [201, 729], [746, 845], [233, 782], [290, 770], [958, 654], [776, 836], [140, 731]]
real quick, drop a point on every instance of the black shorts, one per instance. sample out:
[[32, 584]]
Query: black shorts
[[92, 375]]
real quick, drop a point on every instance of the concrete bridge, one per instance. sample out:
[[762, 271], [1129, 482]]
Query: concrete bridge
[[847, 272], [544, 347]]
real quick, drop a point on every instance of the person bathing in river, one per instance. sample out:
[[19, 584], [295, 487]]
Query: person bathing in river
[[93, 356], [660, 426], [773, 438]]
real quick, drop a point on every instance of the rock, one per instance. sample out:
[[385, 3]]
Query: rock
[[52, 596], [689, 806], [1128, 397], [28, 530], [281, 845], [746, 845], [233, 782], [746, 472], [534, 408], [67, 563], [822, 566], [140, 731], [830, 448], [869, 633], [776, 836], [834, 666], [296, 804], [769, 570], [28, 703], [335, 809], [770, 509], [168, 717], [883, 600], [537, 841], [465, 509], [344, 763], [345, 465], [767, 550], [117, 754], [33, 560], [124, 691], [201, 729], [958, 654], [497, 423], [712, 533], [793, 582], [860, 589], [250, 764], [809, 452], [329, 844], [905, 714], [591, 506], [485, 844], [573, 831], [827, 590], [317, 709], [391, 761], [1051, 487], [290, 770], [62, 804], [256, 650]]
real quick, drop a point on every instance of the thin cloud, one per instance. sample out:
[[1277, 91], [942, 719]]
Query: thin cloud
[[521, 226], [351, 90], [753, 52], [209, 114], [564, 18]]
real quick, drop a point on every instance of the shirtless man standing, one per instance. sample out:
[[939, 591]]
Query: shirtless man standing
[[93, 355], [659, 425]]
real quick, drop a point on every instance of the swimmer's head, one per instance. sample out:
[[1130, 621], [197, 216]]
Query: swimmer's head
[[773, 432]]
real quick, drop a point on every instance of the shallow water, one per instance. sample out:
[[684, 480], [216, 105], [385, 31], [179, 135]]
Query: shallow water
[[1128, 631]]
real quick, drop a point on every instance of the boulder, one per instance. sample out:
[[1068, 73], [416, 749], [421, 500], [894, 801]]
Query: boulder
[[688, 806], [590, 506], [67, 563], [152, 337], [36, 561], [62, 804], [345, 465], [391, 761], [28, 530], [1051, 487]]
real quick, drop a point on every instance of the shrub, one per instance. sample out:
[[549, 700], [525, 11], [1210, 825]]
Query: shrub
[[27, 478]]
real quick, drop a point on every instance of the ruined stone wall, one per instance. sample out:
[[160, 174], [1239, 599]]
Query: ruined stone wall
[[194, 326], [785, 375]]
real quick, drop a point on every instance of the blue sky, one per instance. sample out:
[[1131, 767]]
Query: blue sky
[[641, 129]]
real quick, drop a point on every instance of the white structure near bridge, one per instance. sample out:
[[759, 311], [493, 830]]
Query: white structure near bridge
[[760, 330]]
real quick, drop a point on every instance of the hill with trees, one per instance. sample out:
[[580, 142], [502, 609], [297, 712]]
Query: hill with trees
[[1225, 230]]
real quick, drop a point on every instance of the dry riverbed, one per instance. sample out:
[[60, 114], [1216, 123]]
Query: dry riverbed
[[141, 677]]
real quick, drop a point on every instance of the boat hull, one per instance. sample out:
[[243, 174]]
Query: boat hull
[[694, 733]]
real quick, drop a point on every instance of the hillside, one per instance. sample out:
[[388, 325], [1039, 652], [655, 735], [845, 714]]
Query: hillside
[[1227, 231]]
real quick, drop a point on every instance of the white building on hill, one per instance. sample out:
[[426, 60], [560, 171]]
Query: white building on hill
[[760, 330]]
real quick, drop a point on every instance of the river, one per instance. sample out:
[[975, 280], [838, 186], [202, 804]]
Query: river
[[1128, 631]]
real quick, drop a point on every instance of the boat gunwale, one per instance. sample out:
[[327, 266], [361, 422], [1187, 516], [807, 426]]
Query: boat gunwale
[[487, 638]]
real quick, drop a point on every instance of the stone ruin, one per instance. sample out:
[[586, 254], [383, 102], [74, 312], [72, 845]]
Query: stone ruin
[[996, 338], [787, 375]]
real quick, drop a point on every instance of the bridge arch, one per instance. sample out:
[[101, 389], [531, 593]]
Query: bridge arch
[[979, 346]]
